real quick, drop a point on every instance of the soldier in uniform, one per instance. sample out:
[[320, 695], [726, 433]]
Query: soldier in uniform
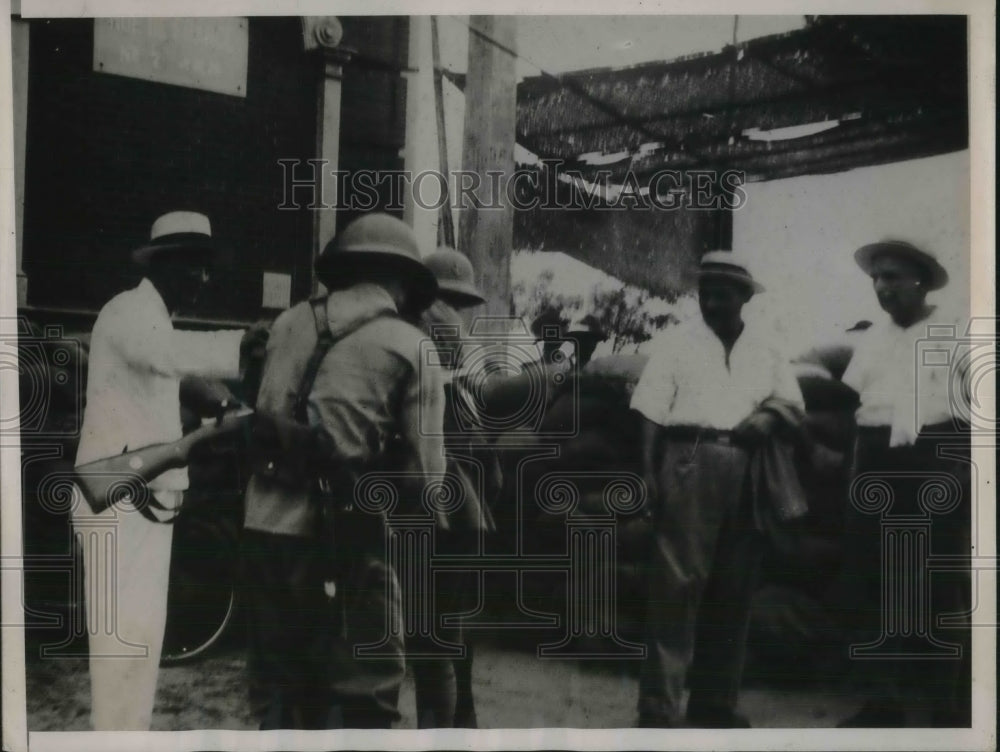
[[444, 685], [318, 580]]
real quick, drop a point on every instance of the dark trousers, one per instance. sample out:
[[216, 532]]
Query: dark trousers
[[909, 503], [442, 676], [304, 667], [701, 573]]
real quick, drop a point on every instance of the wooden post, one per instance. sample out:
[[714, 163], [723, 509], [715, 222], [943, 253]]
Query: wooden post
[[321, 36], [19, 58], [486, 227], [446, 227], [13, 729], [328, 149]]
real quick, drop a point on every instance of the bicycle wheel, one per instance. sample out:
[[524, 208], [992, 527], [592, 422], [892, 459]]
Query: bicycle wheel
[[202, 601], [189, 644]]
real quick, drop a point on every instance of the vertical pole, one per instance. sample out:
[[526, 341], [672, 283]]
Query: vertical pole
[[321, 37], [328, 151], [13, 729], [486, 226], [19, 59], [419, 156], [722, 230], [446, 229]]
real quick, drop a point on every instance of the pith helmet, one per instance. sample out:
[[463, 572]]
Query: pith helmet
[[455, 278], [378, 242]]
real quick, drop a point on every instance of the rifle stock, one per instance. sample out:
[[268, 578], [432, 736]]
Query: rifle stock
[[124, 477]]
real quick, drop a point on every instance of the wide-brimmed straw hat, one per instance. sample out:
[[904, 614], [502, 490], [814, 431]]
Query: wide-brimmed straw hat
[[936, 276], [176, 231], [728, 265]]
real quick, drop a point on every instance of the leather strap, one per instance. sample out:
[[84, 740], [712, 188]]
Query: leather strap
[[146, 510], [324, 341]]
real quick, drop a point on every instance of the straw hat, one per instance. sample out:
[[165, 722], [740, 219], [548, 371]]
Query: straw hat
[[935, 275], [176, 231]]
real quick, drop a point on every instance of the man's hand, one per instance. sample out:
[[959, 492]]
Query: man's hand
[[650, 450], [652, 495], [253, 346], [253, 353], [204, 397], [755, 429]]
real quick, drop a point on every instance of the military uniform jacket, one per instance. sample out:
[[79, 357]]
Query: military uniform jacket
[[369, 388]]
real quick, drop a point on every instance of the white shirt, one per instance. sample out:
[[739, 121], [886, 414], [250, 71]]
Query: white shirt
[[894, 391], [688, 382], [136, 362]]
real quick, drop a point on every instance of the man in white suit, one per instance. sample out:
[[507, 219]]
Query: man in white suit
[[137, 359]]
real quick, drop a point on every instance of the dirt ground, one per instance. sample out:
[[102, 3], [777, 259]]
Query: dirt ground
[[513, 689]]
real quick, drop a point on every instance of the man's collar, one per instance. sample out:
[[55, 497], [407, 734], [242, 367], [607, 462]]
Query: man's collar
[[928, 315], [358, 303], [709, 331], [147, 289]]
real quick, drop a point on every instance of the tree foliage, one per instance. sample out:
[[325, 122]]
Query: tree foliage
[[622, 311], [625, 318]]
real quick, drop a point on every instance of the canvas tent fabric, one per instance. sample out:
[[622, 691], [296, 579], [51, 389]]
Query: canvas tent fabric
[[896, 86]]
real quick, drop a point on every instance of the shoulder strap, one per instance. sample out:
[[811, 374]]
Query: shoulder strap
[[324, 341], [146, 510]]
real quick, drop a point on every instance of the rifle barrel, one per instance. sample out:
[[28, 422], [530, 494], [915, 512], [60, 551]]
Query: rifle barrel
[[100, 478]]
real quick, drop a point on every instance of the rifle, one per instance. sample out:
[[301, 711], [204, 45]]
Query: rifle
[[125, 477]]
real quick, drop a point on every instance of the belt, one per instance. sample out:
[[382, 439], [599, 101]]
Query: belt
[[947, 428], [874, 430], [698, 433]]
